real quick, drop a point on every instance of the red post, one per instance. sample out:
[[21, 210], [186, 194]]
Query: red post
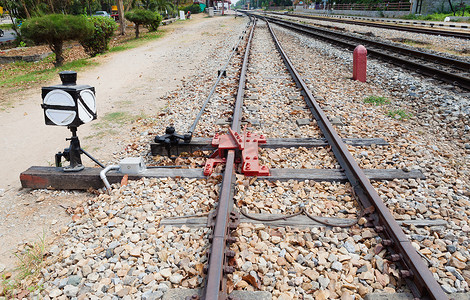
[[360, 63]]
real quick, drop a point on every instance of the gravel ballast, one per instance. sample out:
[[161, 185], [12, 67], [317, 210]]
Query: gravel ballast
[[115, 247]]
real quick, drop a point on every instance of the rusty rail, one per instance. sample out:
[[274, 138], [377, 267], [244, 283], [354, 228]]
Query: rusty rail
[[225, 220], [413, 269]]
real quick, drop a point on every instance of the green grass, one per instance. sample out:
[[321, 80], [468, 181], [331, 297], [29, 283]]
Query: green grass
[[13, 77], [5, 26], [437, 16], [30, 263], [114, 118], [399, 114], [377, 100], [107, 124], [120, 48], [20, 75], [101, 134], [133, 43]]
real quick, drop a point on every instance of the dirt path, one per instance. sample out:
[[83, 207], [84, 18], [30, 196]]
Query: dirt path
[[128, 83]]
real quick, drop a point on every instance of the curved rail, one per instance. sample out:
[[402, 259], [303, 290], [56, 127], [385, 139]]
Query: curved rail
[[171, 139], [419, 278], [219, 77]]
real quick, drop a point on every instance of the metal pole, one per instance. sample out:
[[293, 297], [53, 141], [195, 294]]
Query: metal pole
[[75, 159]]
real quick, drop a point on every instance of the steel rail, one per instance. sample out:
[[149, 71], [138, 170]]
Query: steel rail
[[447, 33], [219, 77], [464, 65], [443, 75], [215, 281], [419, 278]]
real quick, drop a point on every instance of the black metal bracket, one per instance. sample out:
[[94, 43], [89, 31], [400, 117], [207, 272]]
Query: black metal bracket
[[72, 154], [171, 139]]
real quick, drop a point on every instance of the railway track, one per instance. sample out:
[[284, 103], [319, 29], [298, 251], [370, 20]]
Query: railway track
[[224, 222], [443, 68], [415, 29], [256, 218]]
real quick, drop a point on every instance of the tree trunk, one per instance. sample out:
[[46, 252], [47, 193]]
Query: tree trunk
[[15, 27], [451, 7], [129, 5], [122, 21], [56, 47], [28, 16], [52, 6]]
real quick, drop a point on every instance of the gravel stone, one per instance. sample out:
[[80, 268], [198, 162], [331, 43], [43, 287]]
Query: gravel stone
[[324, 282], [55, 293], [74, 280], [70, 291], [176, 278], [337, 266]]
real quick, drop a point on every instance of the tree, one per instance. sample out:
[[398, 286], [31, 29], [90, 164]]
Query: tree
[[122, 21], [164, 7], [98, 41], [55, 29], [149, 4], [156, 22], [8, 5], [25, 9], [142, 17], [451, 7]]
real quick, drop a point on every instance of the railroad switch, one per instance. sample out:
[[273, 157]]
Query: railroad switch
[[171, 139], [247, 143]]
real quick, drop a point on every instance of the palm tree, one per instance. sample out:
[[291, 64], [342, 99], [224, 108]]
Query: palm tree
[[148, 4], [164, 7]]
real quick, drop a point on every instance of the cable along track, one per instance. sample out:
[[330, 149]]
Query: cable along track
[[446, 69], [225, 220], [419, 278]]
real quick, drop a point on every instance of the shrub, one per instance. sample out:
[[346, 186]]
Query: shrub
[[194, 8], [55, 29], [98, 41], [142, 17], [154, 25]]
